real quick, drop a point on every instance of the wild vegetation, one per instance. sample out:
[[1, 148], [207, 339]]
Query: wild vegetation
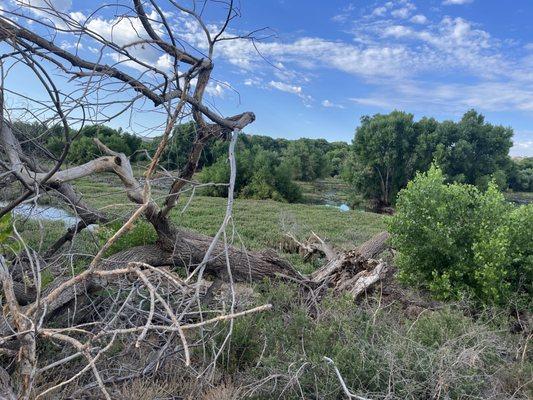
[[396, 342], [390, 149], [458, 241], [162, 288], [387, 152]]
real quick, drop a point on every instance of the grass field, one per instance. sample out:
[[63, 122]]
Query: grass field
[[256, 224], [383, 351], [260, 223]]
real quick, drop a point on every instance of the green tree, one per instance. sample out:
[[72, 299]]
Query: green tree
[[260, 176], [83, 148], [389, 149], [384, 156], [337, 157], [306, 158], [521, 175], [473, 151]]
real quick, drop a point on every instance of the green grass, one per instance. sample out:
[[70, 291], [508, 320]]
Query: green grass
[[256, 224], [259, 223], [380, 351]]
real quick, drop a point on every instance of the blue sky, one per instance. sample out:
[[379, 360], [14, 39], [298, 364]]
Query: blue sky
[[330, 62]]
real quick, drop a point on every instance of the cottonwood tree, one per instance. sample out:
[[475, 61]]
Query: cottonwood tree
[[384, 158], [92, 74]]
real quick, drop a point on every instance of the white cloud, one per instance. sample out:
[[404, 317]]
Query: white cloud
[[452, 44], [127, 32], [46, 9], [78, 16], [401, 13], [419, 19], [379, 11], [344, 14], [523, 148], [524, 145], [285, 87], [217, 89], [328, 104], [293, 89], [253, 81], [75, 46], [454, 98], [40, 6], [456, 2], [164, 62], [389, 54]]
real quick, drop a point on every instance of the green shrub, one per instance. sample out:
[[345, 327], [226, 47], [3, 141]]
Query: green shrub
[[141, 234], [260, 176], [456, 240], [83, 148], [8, 244], [379, 352]]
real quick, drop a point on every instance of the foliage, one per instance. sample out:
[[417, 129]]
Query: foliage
[[336, 158], [267, 166], [306, 159], [380, 352], [261, 175], [142, 233], [83, 148], [383, 155], [389, 149], [521, 175], [473, 151], [42, 140], [175, 154], [7, 241], [457, 240]]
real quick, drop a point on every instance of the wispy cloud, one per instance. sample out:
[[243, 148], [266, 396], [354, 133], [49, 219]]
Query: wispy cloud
[[285, 87], [329, 104], [456, 2], [450, 98]]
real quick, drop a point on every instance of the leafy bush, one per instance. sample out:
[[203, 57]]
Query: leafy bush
[[456, 240], [260, 176], [142, 233], [521, 175], [8, 244]]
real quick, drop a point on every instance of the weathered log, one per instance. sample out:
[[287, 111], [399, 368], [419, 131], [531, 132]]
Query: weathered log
[[353, 271], [355, 260], [188, 252], [6, 387]]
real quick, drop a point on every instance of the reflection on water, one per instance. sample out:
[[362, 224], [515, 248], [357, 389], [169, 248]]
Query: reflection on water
[[48, 213]]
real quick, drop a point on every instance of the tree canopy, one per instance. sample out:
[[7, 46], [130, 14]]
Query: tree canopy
[[389, 149]]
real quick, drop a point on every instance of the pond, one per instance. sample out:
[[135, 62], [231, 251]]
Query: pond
[[43, 212]]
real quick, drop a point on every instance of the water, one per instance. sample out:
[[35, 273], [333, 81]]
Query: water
[[43, 213], [342, 207]]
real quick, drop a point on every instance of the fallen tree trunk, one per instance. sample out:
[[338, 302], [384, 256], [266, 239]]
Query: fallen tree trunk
[[353, 271]]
